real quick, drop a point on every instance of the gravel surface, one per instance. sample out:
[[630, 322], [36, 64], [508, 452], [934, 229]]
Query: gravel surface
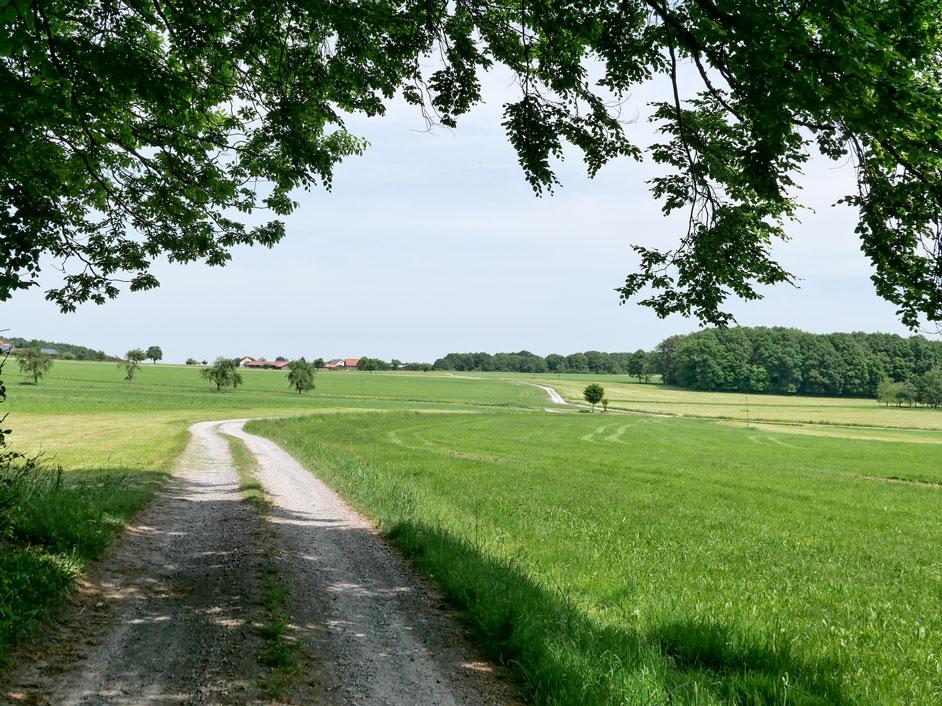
[[170, 615], [165, 617], [383, 634], [554, 396]]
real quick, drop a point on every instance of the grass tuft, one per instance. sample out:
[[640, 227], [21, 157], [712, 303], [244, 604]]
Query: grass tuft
[[281, 653], [55, 524]]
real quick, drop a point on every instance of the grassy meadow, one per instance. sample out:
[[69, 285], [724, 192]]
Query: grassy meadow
[[627, 394], [607, 559], [108, 446], [84, 416], [628, 559]]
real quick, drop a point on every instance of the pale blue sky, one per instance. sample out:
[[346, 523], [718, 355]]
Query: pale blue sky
[[433, 242]]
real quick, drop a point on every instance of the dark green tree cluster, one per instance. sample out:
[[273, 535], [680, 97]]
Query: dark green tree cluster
[[789, 361], [925, 389], [371, 364], [640, 363], [67, 351]]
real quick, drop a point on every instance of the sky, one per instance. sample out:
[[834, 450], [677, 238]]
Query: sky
[[433, 242]]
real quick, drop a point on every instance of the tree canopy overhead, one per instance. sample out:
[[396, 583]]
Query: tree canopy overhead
[[139, 129]]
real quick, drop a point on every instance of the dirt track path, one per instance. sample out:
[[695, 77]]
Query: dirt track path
[[554, 396], [382, 632], [167, 617]]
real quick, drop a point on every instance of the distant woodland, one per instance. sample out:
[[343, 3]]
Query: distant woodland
[[66, 351], [755, 360]]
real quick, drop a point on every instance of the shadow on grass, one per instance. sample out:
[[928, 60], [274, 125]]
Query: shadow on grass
[[56, 524], [179, 596], [563, 656]]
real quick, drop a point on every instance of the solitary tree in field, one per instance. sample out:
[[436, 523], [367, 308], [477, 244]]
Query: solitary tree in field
[[888, 392], [593, 393], [605, 404], [154, 354], [132, 363], [33, 363], [301, 375], [223, 373]]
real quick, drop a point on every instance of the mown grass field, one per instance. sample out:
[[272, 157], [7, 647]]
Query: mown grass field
[[84, 416], [609, 559], [627, 394], [116, 443], [644, 560]]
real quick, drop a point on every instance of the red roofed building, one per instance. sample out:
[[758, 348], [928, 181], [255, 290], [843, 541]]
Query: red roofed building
[[351, 362]]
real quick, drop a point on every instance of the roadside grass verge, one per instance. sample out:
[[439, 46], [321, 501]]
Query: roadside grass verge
[[614, 560], [57, 523], [281, 652]]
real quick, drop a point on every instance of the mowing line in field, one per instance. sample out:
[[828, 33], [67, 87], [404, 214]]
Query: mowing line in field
[[613, 438], [591, 435]]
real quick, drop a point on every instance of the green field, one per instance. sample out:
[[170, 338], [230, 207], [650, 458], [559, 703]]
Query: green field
[[627, 394], [625, 558], [83, 415], [116, 443], [649, 560]]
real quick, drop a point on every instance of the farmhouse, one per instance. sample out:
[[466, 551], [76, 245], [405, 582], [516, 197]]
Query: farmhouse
[[342, 363], [265, 364], [245, 360], [5, 346]]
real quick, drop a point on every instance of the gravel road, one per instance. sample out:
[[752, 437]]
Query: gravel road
[[165, 617], [383, 633], [169, 616], [554, 396]]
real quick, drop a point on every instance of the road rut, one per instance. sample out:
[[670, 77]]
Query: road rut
[[170, 616], [383, 633]]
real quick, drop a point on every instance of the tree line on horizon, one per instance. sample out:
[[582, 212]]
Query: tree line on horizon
[[773, 360], [67, 351], [640, 363], [793, 362]]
